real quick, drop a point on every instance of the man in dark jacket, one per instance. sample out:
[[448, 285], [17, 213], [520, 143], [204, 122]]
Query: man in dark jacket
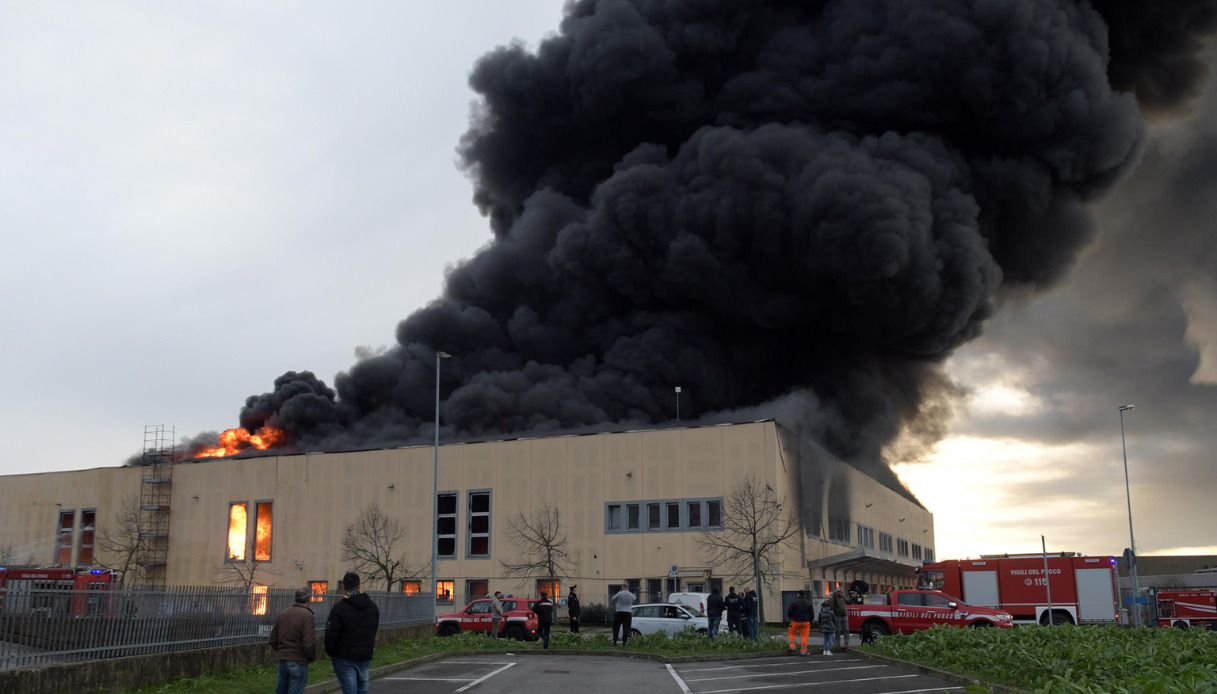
[[545, 618], [842, 615], [573, 610], [294, 638], [751, 613], [733, 603], [350, 636], [799, 614], [714, 610]]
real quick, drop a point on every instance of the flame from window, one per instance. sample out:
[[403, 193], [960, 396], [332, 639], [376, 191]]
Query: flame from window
[[257, 601], [237, 520], [262, 532]]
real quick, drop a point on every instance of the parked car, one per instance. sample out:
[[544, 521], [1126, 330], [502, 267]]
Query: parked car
[[670, 618], [694, 600], [519, 621]]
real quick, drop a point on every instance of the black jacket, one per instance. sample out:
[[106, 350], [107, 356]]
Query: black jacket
[[799, 611], [733, 603], [714, 605], [545, 611], [572, 605], [350, 632], [750, 604]]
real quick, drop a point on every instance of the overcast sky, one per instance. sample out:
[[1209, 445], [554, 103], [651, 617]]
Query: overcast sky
[[196, 198]]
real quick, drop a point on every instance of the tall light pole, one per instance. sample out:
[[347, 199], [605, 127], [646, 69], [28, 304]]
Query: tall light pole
[[1132, 543], [435, 485]]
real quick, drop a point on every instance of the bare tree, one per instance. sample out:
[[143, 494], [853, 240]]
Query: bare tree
[[120, 543], [244, 573], [373, 546], [755, 528], [542, 544]]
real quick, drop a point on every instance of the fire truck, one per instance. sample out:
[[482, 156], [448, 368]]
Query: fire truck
[[1082, 590], [1184, 609], [54, 591]]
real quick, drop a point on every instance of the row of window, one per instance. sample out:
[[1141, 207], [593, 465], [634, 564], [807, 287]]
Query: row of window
[[839, 531], [667, 515], [84, 543], [477, 526]]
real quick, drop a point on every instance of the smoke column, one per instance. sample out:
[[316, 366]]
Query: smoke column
[[792, 209]]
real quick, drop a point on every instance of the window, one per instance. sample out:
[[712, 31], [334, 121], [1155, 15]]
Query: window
[[445, 525], [929, 554], [548, 587], [238, 521], [262, 522], [443, 591], [885, 542], [694, 514], [673, 516], [84, 550], [478, 542], [411, 587], [714, 514], [257, 599], [63, 538], [866, 536], [912, 599], [917, 551], [654, 590], [902, 547], [612, 519], [838, 529], [631, 516], [318, 589], [652, 516], [478, 588]]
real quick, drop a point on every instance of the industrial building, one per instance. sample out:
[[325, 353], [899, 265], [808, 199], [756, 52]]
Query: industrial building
[[632, 504]]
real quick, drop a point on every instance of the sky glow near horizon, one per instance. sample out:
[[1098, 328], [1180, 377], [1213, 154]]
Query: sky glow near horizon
[[198, 199]]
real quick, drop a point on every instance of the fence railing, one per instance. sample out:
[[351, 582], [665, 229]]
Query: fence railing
[[44, 627]]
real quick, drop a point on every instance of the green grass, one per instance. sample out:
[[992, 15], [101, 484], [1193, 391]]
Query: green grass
[[262, 678], [1073, 660]]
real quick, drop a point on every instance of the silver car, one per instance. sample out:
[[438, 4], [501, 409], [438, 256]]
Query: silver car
[[670, 619]]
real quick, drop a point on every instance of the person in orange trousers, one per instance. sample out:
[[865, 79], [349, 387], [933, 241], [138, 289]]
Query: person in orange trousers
[[799, 613]]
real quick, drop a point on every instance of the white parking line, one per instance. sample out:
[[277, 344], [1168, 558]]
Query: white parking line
[[429, 679], [918, 691], [784, 674], [804, 684], [484, 678], [683, 687], [755, 665]]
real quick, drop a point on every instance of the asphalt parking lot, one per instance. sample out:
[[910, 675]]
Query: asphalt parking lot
[[543, 674]]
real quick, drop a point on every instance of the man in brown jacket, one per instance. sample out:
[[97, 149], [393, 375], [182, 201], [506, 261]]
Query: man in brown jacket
[[294, 636]]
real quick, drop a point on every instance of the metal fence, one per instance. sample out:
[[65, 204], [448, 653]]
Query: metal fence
[[44, 627]]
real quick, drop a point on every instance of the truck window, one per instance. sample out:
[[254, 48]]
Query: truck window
[[932, 580], [911, 599], [933, 600]]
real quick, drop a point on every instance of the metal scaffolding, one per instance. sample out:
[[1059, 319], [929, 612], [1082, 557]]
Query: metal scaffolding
[[156, 488]]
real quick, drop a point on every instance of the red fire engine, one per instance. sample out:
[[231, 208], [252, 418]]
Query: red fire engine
[[1187, 608], [54, 591], [1082, 589]]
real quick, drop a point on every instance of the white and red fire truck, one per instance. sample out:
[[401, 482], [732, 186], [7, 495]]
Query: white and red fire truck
[[54, 591], [1083, 589], [1184, 609]]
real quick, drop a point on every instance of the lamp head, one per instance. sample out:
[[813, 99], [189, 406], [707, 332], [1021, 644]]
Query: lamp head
[[443, 355], [1126, 407]]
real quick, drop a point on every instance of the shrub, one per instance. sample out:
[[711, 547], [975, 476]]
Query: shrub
[[595, 613]]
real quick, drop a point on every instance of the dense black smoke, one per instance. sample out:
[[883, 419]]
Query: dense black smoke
[[811, 203]]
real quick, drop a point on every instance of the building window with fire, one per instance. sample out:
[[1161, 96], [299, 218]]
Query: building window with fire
[[262, 528], [411, 586], [63, 538], [445, 525], [238, 530], [84, 549], [838, 529], [257, 600], [318, 590], [476, 588], [477, 544], [443, 591], [549, 587]]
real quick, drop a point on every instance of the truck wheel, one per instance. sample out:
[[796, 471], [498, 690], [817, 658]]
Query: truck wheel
[[877, 628], [1058, 619], [449, 630], [981, 624], [703, 632], [1181, 625], [514, 632]]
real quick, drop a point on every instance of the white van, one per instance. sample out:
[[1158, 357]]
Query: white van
[[695, 600]]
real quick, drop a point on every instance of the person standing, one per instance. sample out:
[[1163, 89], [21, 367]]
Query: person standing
[[573, 610], [350, 636], [714, 610], [799, 614], [842, 617], [294, 637], [828, 625], [496, 613], [734, 603], [622, 617], [545, 618], [751, 613]]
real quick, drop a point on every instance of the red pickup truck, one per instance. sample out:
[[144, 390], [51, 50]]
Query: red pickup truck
[[906, 611]]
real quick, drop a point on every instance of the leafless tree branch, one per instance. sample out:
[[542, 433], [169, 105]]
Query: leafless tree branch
[[120, 543], [753, 517], [542, 543], [372, 545]]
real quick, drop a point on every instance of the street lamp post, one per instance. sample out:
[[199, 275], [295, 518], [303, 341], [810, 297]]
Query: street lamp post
[[435, 484], [1132, 543]]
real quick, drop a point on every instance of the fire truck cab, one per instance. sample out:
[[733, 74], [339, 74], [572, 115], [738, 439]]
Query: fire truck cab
[[1186, 609], [1082, 590], [54, 591]]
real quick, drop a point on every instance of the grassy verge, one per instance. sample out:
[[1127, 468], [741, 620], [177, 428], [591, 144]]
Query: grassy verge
[[1074, 660], [263, 678]]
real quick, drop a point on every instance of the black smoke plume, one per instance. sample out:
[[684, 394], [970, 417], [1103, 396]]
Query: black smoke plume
[[798, 209]]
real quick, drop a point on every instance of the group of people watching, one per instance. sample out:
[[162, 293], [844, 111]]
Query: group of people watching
[[742, 609]]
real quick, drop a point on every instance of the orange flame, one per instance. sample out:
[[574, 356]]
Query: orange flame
[[233, 441]]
